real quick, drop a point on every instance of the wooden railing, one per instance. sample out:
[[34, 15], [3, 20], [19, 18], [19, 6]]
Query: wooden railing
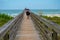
[[9, 30], [46, 28]]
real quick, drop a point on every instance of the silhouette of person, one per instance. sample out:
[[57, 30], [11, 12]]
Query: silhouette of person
[[27, 13]]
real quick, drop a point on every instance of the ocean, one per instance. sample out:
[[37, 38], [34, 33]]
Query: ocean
[[46, 12], [11, 12]]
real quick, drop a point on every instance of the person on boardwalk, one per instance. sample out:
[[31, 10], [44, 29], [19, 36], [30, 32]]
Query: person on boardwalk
[[27, 13]]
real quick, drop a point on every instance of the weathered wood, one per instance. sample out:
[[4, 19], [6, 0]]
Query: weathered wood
[[54, 35], [10, 28], [47, 26], [42, 31]]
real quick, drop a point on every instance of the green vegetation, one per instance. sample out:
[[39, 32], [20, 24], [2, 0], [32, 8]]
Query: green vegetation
[[4, 18], [54, 19]]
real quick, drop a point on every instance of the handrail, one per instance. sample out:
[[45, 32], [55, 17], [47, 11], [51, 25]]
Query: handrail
[[49, 23], [51, 27], [42, 30], [7, 27], [57, 27]]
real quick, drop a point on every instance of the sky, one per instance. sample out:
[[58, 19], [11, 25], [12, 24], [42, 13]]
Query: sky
[[31, 4]]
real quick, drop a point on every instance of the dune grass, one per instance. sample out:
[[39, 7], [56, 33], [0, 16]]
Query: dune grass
[[4, 18], [54, 19]]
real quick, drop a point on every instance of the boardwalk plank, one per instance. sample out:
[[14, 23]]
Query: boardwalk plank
[[27, 30]]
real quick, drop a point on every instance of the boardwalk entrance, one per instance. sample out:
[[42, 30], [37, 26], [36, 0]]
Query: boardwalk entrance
[[27, 30]]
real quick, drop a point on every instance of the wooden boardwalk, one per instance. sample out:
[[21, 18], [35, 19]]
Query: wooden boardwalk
[[27, 30]]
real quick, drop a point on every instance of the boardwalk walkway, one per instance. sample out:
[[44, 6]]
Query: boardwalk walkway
[[27, 30]]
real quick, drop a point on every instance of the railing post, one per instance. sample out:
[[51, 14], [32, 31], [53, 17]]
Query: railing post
[[6, 37], [54, 35], [12, 33]]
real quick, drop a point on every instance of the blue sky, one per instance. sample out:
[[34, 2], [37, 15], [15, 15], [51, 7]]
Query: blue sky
[[31, 4]]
